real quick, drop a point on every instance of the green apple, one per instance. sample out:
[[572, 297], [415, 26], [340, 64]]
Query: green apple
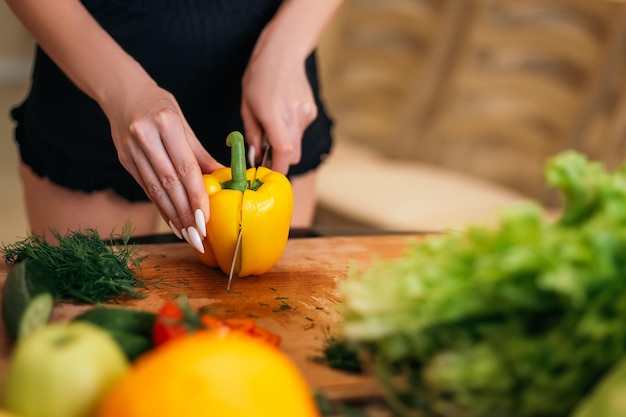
[[62, 370]]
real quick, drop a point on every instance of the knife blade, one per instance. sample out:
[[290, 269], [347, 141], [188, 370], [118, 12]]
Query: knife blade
[[265, 161], [232, 273], [265, 149]]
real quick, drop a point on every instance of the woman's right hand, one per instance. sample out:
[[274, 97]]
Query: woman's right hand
[[158, 148]]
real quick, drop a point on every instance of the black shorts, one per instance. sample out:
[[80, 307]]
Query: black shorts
[[196, 49]]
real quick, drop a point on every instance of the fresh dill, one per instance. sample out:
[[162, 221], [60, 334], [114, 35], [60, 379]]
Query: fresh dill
[[86, 267]]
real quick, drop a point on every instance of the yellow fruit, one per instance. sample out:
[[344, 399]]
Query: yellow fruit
[[208, 374], [4, 413]]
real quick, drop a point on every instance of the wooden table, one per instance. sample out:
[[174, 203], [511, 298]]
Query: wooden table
[[297, 299]]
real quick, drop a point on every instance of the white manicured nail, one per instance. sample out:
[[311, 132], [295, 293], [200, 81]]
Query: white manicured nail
[[200, 222], [185, 235], [195, 239], [175, 230], [251, 156]]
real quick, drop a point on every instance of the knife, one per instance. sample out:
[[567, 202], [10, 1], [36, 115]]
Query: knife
[[267, 154], [266, 149], [265, 161]]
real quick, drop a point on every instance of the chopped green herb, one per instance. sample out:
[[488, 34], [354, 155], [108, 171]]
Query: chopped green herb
[[338, 355], [156, 283]]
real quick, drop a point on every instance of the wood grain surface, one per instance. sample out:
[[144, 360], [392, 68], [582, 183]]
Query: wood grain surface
[[297, 299]]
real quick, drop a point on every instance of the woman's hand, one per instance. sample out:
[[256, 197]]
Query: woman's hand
[[156, 145], [278, 102], [277, 97]]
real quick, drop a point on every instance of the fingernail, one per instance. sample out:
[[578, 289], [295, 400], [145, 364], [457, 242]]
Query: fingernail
[[175, 230], [185, 235], [195, 239], [200, 222], [251, 156]]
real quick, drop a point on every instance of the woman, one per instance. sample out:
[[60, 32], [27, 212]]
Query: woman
[[131, 102]]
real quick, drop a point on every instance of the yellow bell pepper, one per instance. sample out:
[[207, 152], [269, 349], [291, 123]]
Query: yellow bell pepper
[[257, 201]]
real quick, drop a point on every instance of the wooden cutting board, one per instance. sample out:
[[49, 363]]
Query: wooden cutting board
[[298, 298]]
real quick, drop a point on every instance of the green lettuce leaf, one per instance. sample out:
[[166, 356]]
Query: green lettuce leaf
[[521, 319]]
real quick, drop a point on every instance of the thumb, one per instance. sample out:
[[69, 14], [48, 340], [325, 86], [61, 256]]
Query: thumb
[[205, 160]]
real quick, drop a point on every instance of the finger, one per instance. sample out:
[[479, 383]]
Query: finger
[[253, 132], [170, 199], [163, 184], [148, 180], [252, 156], [200, 199], [285, 135], [281, 140], [192, 198], [305, 114], [134, 171], [206, 161]]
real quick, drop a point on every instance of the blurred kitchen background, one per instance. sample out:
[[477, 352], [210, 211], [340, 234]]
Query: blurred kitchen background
[[445, 110]]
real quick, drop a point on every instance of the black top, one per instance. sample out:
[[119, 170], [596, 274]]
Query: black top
[[195, 49]]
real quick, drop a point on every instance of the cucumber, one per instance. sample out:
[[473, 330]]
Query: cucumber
[[28, 298], [131, 328], [124, 319], [133, 345]]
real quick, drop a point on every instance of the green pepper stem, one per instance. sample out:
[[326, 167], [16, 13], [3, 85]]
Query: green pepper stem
[[237, 163]]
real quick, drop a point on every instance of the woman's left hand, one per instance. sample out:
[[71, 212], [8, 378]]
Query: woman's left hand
[[277, 101], [277, 98]]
